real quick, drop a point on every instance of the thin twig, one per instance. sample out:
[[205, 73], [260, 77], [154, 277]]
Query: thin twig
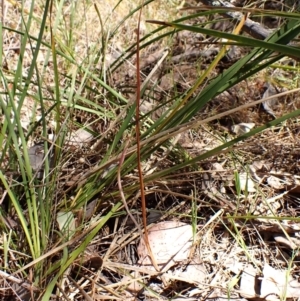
[[20, 282]]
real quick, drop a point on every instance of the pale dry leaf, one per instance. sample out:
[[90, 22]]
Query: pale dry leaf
[[217, 166], [195, 272], [80, 138], [198, 145], [275, 226], [170, 243], [66, 223], [275, 182], [195, 291], [248, 282], [242, 128], [233, 265], [133, 281], [269, 105], [258, 165], [270, 205], [254, 168], [247, 183], [278, 285], [291, 243]]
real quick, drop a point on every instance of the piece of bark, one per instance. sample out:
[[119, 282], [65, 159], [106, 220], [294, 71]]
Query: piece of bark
[[255, 29]]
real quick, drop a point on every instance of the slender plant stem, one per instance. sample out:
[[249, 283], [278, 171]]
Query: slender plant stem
[[138, 142]]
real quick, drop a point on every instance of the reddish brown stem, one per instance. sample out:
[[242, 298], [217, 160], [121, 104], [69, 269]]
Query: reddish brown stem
[[138, 142]]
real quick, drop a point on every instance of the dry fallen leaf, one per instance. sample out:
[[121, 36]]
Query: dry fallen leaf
[[247, 183], [275, 182], [242, 128], [292, 243], [278, 285], [248, 282], [80, 138], [254, 168], [133, 281], [170, 243], [66, 223], [195, 272], [270, 104]]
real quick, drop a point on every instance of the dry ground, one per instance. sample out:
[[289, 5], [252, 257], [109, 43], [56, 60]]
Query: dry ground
[[229, 243]]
